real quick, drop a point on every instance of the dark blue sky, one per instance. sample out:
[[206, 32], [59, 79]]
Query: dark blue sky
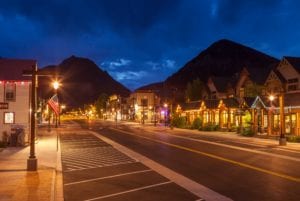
[[143, 41]]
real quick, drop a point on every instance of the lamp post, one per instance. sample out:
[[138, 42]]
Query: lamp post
[[32, 160], [166, 111], [55, 85], [282, 139], [34, 73], [271, 98]]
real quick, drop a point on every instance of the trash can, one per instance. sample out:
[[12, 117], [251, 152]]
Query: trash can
[[13, 140], [17, 137]]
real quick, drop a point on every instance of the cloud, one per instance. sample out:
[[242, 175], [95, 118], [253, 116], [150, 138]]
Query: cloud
[[112, 65], [129, 75], [164, 64]]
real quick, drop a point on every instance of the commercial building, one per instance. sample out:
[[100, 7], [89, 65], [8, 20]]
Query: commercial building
[[14, 97]]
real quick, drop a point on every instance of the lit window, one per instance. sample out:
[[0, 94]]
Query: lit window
[[10, 92], [9, 117]]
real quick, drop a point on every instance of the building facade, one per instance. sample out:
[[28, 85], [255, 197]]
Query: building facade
[[251, 105], [14, 97], [144, 106]]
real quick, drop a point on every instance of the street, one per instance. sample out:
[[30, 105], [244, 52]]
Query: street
[[94, 170], [239, 169]]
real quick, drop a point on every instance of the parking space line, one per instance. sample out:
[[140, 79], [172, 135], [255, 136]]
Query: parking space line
[[111, 164], [129, 191], [108, 177]]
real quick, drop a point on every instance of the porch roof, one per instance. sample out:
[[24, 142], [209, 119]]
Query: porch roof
[[231, 102], [12, 69], [211, 103], [194, 105]]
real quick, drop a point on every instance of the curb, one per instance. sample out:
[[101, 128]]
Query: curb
[[57, 182]]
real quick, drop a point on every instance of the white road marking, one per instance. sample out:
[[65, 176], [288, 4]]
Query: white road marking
[[129, 191], [188, 184], [107, 165], [108, 177]]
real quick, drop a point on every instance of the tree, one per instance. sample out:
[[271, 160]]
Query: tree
[[195, 90], [100, 104]]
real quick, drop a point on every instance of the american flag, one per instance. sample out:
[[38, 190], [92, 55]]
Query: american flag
[[53, 103]]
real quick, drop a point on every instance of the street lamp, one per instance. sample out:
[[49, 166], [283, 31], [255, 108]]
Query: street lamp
[[56, 85], [166, 111]]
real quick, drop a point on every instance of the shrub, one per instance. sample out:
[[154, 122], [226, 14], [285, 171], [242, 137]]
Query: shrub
[[197, 123], [293, 138], [179, 122], [211, 127], [2, 144], [248, 132]]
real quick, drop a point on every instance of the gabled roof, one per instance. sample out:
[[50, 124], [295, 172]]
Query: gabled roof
[[248, 101], [221, 83], [279, 75], [211, 103], [231, 102], [194, 105], [294, 61], [259, 75], [12, 69]]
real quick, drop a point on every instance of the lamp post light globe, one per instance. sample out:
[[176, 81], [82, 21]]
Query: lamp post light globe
[[55, 84], [271, 98]]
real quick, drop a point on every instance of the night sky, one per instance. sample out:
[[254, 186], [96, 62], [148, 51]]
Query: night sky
[[143, 41]]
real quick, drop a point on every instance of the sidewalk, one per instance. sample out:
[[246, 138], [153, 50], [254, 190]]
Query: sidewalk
[[17, 184]]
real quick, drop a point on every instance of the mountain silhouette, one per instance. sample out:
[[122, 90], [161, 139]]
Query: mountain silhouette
[[82, 81], [222, 58]]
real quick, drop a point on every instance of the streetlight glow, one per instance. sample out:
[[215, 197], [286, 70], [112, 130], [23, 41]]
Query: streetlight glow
[[55, 84], [271, 97]]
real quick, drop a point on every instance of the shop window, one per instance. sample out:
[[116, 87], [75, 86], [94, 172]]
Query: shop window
[[276, 121], [9, 117], [217, 118], [224, 117], [10, 92], [205, 117]]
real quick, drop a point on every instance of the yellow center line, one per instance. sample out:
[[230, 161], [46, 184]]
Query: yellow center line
[[216, 157]]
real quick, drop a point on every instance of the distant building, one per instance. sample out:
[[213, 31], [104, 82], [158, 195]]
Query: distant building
[[14, 96], [144, 106]]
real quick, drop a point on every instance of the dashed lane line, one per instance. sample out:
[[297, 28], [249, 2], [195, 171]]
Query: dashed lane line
[[129, 191], [291, 178], [108, 177]]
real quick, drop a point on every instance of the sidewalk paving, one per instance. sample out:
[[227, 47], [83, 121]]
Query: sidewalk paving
[[18, 184]]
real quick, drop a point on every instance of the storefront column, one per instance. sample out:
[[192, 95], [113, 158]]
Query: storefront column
[[270, 122], [229, 119], [297, 123], [253, 119], [262, 122], [220, 119]]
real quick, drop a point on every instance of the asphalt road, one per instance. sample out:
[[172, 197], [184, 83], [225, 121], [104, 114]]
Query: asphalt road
[[94, 170], [237, 170]]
